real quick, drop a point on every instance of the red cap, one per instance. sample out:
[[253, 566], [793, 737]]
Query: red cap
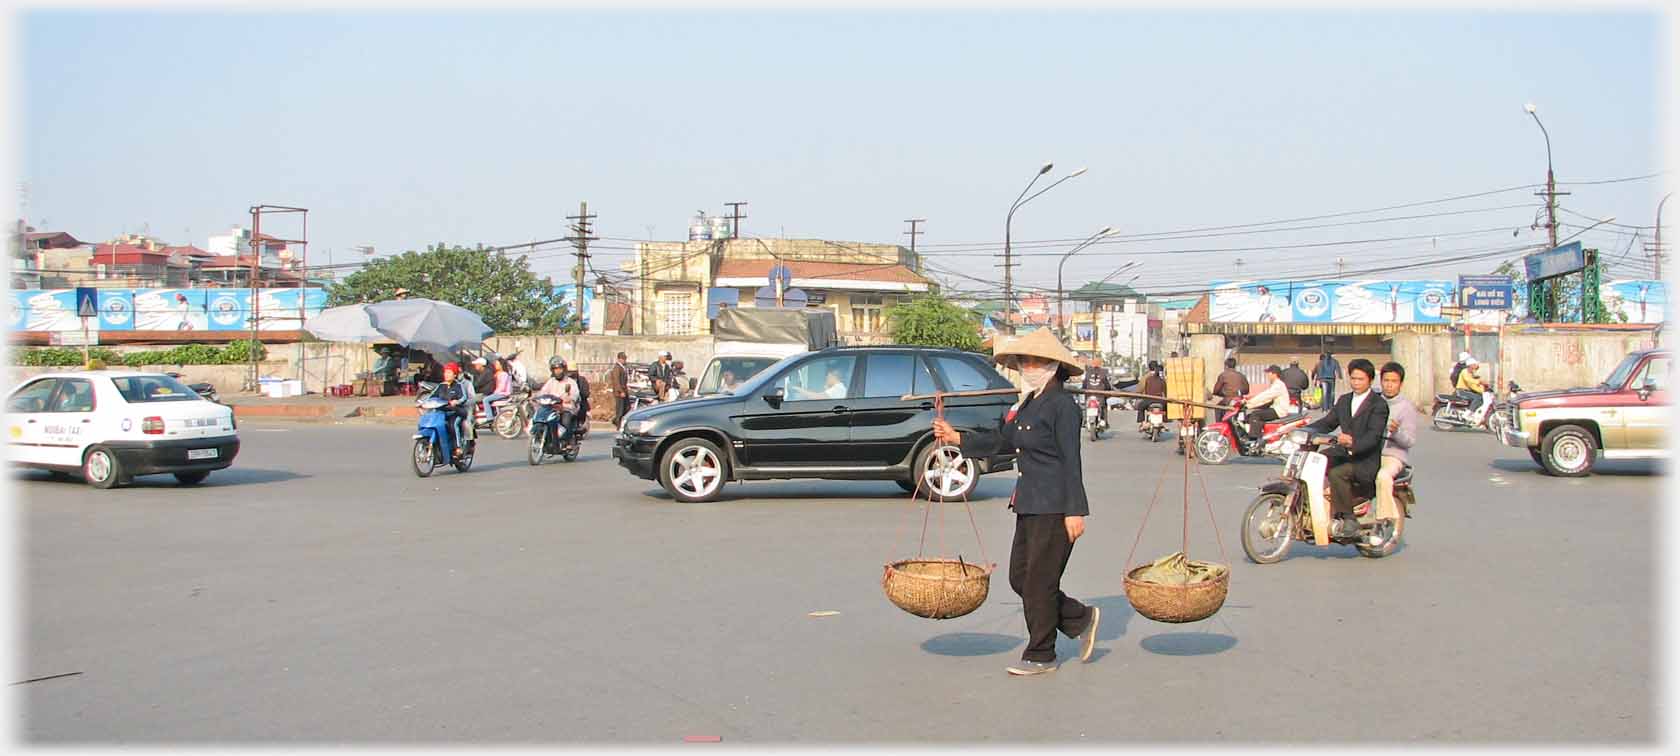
[[455, 366]]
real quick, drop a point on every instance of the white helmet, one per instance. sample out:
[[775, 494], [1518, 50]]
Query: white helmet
[[1465, 357]]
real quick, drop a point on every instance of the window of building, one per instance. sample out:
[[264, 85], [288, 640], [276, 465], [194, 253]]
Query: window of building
[[866, 313], [677, 312]]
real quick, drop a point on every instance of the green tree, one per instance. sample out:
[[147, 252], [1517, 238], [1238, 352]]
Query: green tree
[[932, 320], [501, 289]]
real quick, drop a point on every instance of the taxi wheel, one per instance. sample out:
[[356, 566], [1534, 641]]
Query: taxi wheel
[[101, 469]]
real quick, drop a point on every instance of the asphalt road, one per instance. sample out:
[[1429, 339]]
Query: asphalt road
[[318, 592]]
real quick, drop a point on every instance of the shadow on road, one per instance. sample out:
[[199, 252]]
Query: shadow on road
[[1188, 644], [1627, 467], [1514, 465], [971, 644], [233, 476]]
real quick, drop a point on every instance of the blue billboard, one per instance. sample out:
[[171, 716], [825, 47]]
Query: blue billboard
[[191, 309], [1486, 292], [1329, 301]]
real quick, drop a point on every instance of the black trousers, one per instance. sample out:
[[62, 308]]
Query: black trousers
[[1143, 409], [1257, 420], [1341, 488], [1329, 399], [621, 407], [1036, 562]]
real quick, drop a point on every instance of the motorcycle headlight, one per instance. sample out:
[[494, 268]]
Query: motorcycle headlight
[[1299, 436], [639, 427]]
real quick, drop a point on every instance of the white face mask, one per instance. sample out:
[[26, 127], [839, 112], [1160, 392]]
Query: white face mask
[[1039, 377]]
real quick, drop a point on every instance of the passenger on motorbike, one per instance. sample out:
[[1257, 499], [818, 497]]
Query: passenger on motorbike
[[1362, 417], [1402, 433], [1153, 385], [501, 387], [561, 386], [456, 390], [1470, 384], [1096, 377], [1269, 403]]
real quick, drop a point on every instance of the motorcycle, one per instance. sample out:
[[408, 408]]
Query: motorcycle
[[1216, 442], [1155, 422], [1296, 507], [548, 438], [514, 415], [205, 390], [434, 441], [1093, 417]]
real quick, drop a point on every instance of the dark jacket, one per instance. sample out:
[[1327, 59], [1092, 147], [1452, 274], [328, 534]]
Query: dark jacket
[[618, 380], [1096, 378], [1367, 428], [1230, 384], [484, 383], [1044, 432], [1296, 379], [659, 371]]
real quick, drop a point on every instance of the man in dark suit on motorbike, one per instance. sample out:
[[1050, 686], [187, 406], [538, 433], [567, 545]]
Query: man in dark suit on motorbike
[[1096, 377], [1362, 416]]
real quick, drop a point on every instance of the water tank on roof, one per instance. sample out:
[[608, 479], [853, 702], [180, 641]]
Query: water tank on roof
[[699, 228], [720, 228]]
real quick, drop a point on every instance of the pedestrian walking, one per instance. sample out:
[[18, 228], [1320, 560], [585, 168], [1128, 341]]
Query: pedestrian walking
[[1049, 500], [1328, 371], [618, 385]]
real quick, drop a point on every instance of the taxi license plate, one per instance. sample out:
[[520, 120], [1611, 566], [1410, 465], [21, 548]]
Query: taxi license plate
[[202, 453]]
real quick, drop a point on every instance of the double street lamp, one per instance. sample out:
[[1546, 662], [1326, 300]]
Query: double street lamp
[[1061, 324], [1008, 257]]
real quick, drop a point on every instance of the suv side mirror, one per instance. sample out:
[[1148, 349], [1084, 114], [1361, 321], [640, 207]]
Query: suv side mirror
[[1646, 390], [773, 397]]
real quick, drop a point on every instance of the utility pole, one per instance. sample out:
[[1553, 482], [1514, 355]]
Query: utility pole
[[583, 230], [735, 217], [913, 233]]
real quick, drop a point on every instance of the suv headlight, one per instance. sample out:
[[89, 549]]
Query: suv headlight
[[639, 427]]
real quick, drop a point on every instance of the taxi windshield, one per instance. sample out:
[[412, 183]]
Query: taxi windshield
[[140, 389]]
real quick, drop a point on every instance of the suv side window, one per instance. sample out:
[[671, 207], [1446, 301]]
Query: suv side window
[[820, 378], [33, 397], [961, 374], [1655, 370], [891, 376], [74, 395]]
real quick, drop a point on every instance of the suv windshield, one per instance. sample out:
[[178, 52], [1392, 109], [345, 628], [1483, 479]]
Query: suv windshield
[[740, 369], [153, 388], [1619, 376]]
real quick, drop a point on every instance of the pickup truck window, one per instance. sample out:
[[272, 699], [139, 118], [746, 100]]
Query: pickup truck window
[[1618, 377], [1656, 370]]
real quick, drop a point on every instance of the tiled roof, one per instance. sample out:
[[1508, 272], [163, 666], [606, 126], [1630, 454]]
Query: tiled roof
[[889, 272]]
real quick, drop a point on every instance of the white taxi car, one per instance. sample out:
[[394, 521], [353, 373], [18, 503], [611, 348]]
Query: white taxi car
[[111, 425]]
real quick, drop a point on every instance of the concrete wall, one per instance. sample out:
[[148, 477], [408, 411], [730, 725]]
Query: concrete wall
[[1536, 360]]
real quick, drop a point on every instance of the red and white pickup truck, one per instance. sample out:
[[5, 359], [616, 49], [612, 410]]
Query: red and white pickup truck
[[1625, 417]]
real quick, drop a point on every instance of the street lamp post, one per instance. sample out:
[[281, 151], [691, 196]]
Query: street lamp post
[[1008, 257], [1551, 183], [1061, 324]]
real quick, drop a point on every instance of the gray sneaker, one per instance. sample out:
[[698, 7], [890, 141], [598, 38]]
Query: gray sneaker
[[1031, 667], [1089, 637]]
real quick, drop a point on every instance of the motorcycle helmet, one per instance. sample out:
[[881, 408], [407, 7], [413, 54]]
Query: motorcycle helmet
[[556, 363]]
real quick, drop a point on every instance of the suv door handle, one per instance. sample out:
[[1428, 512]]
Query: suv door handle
[[839, 409], [926, 405]]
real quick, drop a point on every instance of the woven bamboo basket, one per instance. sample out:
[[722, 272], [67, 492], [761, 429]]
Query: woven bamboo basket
[[1188, 602], [937, 588]]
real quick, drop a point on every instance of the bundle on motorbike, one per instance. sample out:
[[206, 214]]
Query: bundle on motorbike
[[435, 439], [1296, 507], [551, 434]]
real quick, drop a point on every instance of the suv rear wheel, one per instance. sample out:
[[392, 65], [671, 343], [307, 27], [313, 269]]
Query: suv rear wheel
[[944, 472], [1568, 451], [692, 470]]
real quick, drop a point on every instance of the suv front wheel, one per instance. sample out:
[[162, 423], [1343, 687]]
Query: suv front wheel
[[692, 470], [1568, 451]]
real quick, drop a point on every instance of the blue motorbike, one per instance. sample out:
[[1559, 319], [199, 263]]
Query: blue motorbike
[[434, 441], [549, 436]]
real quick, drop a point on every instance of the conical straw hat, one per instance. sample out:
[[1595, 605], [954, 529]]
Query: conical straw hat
[[1040, 343]]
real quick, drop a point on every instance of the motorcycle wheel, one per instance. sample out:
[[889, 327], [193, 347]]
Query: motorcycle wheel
[[1442, 421], [1212, 447], [465, 462], [1497, 419], [1093, 431], [570, 454], [424, 460], [534, 454], [507, 424], [1154, 433], [1402, 499], [1268, 514]]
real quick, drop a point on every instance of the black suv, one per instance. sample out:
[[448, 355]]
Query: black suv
[[837, 414]]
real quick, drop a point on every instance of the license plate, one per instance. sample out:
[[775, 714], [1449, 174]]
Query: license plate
[[202, 453], [1090, 411], [1154, 419]]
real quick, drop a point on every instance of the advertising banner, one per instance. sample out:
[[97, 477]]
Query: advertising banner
[[208, 309], [1640, 300], [568, 294], [1327, 301], [1556, 261]]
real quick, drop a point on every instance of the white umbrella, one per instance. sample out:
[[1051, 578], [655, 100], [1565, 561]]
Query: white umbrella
[[348, 323]]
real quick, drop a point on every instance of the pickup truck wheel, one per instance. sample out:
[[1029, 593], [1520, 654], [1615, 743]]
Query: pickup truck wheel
[[1568, 451]]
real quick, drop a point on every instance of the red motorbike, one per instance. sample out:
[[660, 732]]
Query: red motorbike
[[1218, 441]]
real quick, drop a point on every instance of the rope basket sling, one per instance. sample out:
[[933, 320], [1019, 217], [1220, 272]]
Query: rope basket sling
[[938, 587], [1191, 600]]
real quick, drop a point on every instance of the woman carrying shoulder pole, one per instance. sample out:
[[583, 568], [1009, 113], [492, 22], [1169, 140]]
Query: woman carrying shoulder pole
[[1049, 500]]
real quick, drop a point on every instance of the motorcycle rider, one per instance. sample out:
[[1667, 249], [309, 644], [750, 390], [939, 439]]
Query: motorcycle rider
[[1362, 417], [517, 369], [561, 385], [1153, 385], [1402, 433], [1096, 377], [1458, 367], [1296, 379], [1227, 387], [1470, 384], [500, 385], [659, 374], [583, 399], [1269, 403], [456, 390]]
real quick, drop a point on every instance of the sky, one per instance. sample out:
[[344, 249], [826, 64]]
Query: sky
[[403, 128]]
